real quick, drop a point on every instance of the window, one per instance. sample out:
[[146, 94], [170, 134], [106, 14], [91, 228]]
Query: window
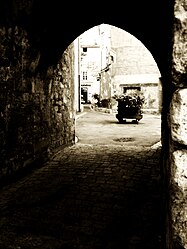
[[84, 76], [131, 89], [84, 49]]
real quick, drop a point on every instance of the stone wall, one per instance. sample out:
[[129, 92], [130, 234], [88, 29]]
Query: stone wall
[[178, 126], [134, 59], [151, 94], [36, 107]]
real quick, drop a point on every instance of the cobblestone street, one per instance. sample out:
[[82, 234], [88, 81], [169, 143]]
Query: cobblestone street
[[86, 197]]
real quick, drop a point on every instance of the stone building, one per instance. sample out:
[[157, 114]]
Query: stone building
[[37, 85], [134, 69], [113, 62], [92, 51]]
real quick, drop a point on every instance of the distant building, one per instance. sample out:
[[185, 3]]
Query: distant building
[[134, 69], [87, 52], [90, 63], [94, 59], [112, 62], [89, 74]]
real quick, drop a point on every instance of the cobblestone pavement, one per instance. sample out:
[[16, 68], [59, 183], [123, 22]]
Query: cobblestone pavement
[[86, 197]]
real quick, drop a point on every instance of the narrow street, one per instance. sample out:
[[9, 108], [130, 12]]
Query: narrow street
[[100, 193], [94, 127]]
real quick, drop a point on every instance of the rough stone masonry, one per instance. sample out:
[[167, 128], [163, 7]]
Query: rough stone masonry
[[178, 125], [36, 110]]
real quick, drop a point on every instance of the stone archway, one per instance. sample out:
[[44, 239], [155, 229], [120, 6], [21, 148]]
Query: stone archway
[[37, 34]]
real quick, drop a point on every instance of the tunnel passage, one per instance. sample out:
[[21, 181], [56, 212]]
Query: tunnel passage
[[33, 39], [36, 112]]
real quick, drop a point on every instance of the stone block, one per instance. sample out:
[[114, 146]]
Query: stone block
[[178, 198], [179, 168], [178, 116]]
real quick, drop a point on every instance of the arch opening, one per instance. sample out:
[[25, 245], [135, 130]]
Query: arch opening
[[111, 63]]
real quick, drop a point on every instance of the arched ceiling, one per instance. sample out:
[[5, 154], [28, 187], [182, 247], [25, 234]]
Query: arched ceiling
[[53, 25]]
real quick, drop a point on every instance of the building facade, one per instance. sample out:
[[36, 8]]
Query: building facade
[[134, 69], [112, 62], [92, 50]]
